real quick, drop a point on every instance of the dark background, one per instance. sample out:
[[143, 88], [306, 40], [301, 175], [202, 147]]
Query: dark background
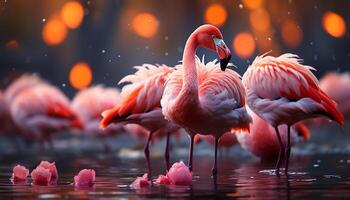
[[106, 28]]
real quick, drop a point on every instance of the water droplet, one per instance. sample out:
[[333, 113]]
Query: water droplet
[[316, 165], [44, 20], [103, 51], [166, 53], [146, 47], [118, 56], [269, 38], [240, 6], [63, 85], [166, 38]]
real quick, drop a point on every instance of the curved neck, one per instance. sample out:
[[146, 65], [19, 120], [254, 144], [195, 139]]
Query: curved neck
[[190, 82]]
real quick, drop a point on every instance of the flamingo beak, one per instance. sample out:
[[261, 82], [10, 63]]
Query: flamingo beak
[[223, 52]]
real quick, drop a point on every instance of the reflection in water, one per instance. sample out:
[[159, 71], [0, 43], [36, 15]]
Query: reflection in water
[[237, 178]]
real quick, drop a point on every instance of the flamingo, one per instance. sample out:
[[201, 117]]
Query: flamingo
[[140, 104], [41, 111], [262, 140], [337, 86], [19, 85], [202, 98], [90, 103], [281, 90]]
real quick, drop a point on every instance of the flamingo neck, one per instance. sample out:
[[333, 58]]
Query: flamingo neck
[[190, 82]]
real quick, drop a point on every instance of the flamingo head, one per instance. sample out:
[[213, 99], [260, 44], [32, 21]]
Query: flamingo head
[[210, 37]]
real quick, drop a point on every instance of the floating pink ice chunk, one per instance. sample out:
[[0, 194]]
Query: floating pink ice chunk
[[85, 178], [163, 180], [19, 173], [41, 176], [141, 182], [179, 174], [51, 167]]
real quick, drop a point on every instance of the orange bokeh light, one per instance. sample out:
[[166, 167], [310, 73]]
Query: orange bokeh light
[[13, 44], [80, 76], [260, 19], [54, 31], [252, 4], [334, 24], [291, 33], [244, 44], [215, 14], [72, 14], [145, 25]]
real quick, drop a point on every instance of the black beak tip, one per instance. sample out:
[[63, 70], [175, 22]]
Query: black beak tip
[[224, 62]]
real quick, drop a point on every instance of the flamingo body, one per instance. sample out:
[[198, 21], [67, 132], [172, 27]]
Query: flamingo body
[[281, 90], [90, 103], [41, 111], [337, 86]]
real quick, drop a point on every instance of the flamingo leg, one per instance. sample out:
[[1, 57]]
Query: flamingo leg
[[278, 164], [191, 151], [166, 154], [215, 167], [287, 152], [146, 150]]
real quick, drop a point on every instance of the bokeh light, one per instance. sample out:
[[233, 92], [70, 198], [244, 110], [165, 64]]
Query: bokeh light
[[72, 14], [145, 25], [244, 44], [13, 44], [252, 4], [334, 24], [292, 35], [260, 19], [54, 31], [80, 76], [215, 14]]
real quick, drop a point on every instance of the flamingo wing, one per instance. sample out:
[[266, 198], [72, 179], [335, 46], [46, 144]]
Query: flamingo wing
[[284, 76], [142, 94], [220, 91]]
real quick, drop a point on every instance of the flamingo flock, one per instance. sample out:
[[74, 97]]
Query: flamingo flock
[[263, 110]]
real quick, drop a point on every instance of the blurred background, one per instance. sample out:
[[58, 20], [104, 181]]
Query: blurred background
[[75, 44]]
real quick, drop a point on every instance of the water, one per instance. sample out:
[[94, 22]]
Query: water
[[239, 177]]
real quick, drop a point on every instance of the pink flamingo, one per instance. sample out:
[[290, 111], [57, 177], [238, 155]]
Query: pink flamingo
[[90, 103], [140, 104], [262, 140], [283, 91], [19, 85], [41, 111], [337, 86], [201, 97]]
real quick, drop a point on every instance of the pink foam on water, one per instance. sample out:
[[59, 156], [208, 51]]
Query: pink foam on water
[[141, 182], [41, 176], [19, 173], [163, 180], [179, 174], [85, 178], [51, 167]]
